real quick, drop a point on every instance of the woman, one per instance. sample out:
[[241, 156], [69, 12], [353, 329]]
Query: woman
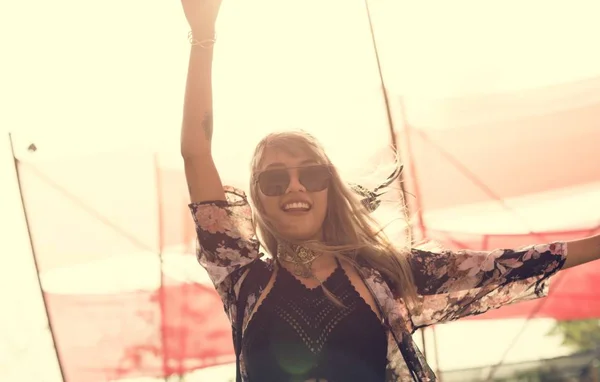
[[337, 301]]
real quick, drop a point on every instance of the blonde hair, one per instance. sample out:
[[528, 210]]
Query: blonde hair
[[349, 231]]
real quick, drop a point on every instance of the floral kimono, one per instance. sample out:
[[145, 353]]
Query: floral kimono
[[450, 284]]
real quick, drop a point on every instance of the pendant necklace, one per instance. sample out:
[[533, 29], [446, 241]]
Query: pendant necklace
[[301, 259]]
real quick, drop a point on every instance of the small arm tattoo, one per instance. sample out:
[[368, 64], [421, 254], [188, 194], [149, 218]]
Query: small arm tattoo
[[207, 125]]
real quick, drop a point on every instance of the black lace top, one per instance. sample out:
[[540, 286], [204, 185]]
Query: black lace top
[[298, 333]]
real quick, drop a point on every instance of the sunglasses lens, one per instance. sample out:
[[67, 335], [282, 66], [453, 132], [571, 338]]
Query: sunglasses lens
[[314, 178], [274, 182]]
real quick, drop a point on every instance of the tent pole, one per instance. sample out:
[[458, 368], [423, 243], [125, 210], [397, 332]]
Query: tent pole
[[393, 137], [422, 330], [35, 260], [386, 100], [436, 351], [161, 242]]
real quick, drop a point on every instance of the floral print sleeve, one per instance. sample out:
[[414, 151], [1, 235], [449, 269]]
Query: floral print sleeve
[[226, 241], [455, 284]]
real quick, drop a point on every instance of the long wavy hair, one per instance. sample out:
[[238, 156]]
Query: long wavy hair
[[349, 231]]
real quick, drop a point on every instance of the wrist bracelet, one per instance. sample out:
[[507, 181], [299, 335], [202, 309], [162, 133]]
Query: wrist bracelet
[[205, 44]]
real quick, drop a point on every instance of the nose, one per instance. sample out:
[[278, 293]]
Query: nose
[[295, 185]]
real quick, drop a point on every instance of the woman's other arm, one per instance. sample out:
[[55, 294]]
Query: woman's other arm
[[583, 251]]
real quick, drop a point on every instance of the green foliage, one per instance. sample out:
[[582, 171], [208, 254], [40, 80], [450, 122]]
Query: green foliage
[[579, 335]]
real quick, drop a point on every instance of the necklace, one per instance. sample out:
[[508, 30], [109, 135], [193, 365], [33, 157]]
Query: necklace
[[301, 259]]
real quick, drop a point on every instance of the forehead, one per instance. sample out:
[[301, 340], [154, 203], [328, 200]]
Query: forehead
[[275, 157]]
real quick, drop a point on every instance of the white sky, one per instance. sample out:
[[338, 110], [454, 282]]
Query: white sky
[[82, 77], [79, 77]]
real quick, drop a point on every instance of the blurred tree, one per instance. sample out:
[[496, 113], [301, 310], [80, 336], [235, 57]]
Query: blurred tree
[[579, 335]]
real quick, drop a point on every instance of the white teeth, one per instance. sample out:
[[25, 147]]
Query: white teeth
[[296, 206]]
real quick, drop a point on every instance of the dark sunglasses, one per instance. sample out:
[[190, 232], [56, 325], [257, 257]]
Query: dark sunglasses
[[275, 182]]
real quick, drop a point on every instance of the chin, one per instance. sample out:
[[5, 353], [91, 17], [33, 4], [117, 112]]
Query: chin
[[299, 228]]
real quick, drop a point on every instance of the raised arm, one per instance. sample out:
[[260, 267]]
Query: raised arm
[[227, 245], [203, 180]]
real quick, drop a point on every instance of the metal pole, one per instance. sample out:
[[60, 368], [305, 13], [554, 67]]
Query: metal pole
[[392, 133], [386, 100], [422, 330], [35, 261], [161, 291], [437, 354]]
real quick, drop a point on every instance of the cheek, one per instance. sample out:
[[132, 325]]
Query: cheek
[[320, 200], [270, 205]]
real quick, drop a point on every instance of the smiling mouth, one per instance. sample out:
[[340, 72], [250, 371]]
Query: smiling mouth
[[296, 207]]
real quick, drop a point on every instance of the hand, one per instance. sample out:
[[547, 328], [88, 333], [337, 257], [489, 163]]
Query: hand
[[201, 15]]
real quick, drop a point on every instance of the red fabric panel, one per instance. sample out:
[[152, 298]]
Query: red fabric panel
[[134, 334]]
